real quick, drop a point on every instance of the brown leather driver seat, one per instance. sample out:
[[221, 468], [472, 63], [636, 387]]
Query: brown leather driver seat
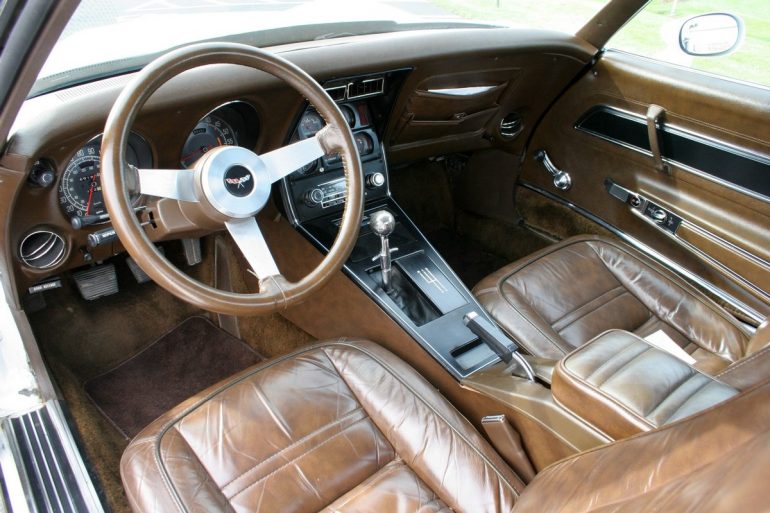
[[561, 297], [348, 427]]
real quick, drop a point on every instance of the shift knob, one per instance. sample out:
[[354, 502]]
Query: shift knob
[[382, 223]]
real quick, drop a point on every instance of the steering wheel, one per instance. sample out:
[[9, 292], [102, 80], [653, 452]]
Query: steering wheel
[[227, 187]]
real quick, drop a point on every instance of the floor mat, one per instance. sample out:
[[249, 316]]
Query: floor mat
[[194, 355], [464, 256]]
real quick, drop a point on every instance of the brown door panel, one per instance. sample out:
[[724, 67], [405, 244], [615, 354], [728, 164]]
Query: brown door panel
[[725, 234]]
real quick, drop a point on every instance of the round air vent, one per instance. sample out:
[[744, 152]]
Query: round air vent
[[510, 125], [42, 249]]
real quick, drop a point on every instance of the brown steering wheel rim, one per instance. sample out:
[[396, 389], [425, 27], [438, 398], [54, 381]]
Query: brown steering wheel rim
[[276, 293]]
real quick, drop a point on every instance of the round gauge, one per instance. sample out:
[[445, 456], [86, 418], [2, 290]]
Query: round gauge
[[80, 192], [80, 188], [350, 117], [364, 143], [310, 124], [210, 132]]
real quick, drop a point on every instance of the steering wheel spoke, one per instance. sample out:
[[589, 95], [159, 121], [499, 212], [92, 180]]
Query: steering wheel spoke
[[249, 239], [284, 161], [168, 183]]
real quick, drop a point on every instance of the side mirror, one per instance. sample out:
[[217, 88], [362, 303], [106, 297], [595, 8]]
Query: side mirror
[[711, 34]]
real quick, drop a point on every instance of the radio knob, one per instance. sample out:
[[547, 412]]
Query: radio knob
[[314, 197], [375, 180]]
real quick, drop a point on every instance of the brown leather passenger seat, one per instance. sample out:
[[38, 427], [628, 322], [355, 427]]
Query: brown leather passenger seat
[[349, 428], [559, 298]]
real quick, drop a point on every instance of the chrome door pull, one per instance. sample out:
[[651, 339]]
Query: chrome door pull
[[561, 179]]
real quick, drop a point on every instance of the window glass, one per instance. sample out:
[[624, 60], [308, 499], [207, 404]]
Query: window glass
[[654, 33], [563, 15]]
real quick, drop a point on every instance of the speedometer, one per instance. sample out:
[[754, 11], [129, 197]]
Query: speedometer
[[80, 191], [80, 187]]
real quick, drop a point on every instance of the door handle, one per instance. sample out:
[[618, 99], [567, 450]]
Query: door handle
[[561, 179], [655, 119]]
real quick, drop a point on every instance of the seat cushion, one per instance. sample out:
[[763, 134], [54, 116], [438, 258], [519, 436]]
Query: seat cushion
[[566, 294], [343, 426], [623, 385]]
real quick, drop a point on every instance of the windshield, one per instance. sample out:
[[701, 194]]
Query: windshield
[[106, 37]]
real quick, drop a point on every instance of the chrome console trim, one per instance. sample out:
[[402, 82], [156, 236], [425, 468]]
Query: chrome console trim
[[737, 304]]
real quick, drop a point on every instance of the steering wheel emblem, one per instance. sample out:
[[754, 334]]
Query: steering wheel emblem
[[239, 181]]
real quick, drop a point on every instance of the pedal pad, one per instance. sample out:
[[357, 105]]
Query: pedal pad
[[139, 275], [97, 281], [192, 251]]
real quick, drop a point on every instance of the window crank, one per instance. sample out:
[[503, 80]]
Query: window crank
[[561, 179]]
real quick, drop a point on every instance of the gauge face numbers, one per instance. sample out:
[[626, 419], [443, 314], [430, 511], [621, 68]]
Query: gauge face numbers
[[80, 187], [310, 124], [80, 191], [210, 132]]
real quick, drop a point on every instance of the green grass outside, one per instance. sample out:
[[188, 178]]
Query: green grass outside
[[643, 34]]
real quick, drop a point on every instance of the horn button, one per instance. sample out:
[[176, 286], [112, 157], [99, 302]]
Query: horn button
[[235, 181]]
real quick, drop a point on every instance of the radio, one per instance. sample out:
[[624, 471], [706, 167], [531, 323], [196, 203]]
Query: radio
[[326, 194]]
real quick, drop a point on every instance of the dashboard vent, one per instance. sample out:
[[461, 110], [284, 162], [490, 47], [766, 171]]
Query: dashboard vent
[[337, 93], [365, 88], [510, 125], [42, 249]]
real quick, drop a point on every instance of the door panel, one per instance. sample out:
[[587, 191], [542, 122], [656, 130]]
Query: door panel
[[715, 139]]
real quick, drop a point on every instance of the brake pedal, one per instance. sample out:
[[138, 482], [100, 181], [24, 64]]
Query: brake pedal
[[97, 281]]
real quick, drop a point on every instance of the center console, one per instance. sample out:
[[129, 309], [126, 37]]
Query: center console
[[421, 292]]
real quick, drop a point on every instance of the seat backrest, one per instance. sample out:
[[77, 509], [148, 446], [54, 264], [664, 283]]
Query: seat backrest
[[754, 368], [716, 460]]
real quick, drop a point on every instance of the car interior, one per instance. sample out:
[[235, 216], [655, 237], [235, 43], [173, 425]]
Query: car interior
[[458, 269]]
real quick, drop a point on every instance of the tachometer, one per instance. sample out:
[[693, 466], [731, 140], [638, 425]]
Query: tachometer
[[210, 132]]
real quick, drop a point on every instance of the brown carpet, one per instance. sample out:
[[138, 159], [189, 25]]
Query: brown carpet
[[191, 357]]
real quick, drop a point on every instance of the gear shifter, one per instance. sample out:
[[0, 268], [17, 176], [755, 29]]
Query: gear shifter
[[383, 223]]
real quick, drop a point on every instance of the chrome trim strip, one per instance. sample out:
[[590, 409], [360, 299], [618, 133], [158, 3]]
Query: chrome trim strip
[[463, 91], [14, 481], [689, 134], [716, 239], [663, 260]]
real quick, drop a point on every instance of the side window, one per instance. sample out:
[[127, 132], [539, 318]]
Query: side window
[[733, 41]]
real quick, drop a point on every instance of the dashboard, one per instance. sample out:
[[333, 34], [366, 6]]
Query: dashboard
[[50, 168]]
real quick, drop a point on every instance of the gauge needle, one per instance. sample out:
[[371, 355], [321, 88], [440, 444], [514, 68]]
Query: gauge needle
[[91, 194]]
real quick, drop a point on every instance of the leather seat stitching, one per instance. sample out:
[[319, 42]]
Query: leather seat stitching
[[378, 476], [692, 293], [315, 347], [430, 407], [590, 387], [673, 390], [612, 358], [585, 314], [200, 463], [690, 398], [300, 441], [622, 367], [303, 454], [528, 320], [602, 294], [743, 362]]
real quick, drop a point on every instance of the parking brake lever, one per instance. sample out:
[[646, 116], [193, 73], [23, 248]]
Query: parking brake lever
[[488, 334]]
